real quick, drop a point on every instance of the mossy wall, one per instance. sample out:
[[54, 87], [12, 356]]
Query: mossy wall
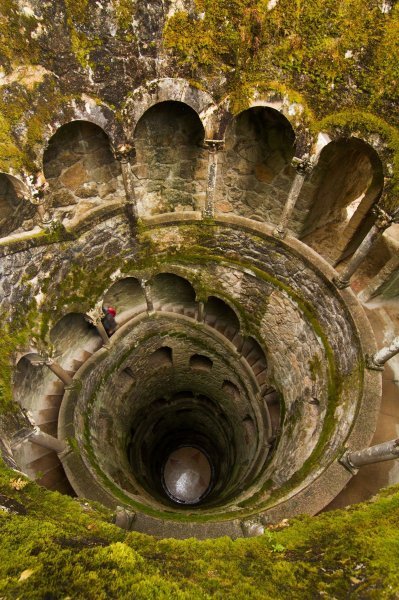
[[335, 62]]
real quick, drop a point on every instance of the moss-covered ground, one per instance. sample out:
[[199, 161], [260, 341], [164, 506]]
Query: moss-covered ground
[[53, 546]]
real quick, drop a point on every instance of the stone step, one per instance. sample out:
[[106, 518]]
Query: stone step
[[259, 367], [51, 427], [76, 364], [46, 415], [53, 476], [45, 463], [51, 401]]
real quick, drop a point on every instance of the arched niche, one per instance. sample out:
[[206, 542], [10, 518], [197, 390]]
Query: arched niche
[[255, 356], [171, 165], [257, 172], [163, 357], [74, 339], [199, 362], [125, 295], [170, 291], [14, 208], [81, 171], [345, 184], [221, 316]]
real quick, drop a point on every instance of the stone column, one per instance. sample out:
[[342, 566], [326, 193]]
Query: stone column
[[39, 187], [147, 294], [94, 316], [384, 220], [214, 148], [124, 153], [59, 371], [303, 167], [54, 367], [368, 456], [378, 360], [45, 440], [201, 312]]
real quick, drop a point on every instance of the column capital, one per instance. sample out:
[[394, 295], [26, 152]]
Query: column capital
[[95, 314], [38, 185], [303, 165], [214, 145], [124, 152]]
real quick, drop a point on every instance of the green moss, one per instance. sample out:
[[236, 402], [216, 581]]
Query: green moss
[[333, 53], [17, 44], [69, 548]]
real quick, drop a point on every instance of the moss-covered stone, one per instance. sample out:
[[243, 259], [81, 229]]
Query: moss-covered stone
[[53, 546]]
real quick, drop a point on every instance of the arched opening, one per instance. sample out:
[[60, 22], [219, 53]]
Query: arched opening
[[171, 164], [74, 339], [199, 362], [127, 297], [173, 293], [38, 391], [222, 317], [81, 170], [161, 358], [257, 174], [14, 209], [346, 183], [255, 356]]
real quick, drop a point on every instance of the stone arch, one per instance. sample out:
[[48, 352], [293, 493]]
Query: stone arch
[[257, 172], [125, 295], [81, 170], [220, 315], [169, 291], [347, 181], [161, 358], [74, 338], [14, 205], [200, 362], [86, 109], [164, 90], [171, 162]]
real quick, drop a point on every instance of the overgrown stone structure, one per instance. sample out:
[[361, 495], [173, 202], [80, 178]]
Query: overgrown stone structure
[[224, 219]]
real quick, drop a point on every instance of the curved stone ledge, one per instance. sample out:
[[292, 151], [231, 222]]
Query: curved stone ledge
[[325, 481]]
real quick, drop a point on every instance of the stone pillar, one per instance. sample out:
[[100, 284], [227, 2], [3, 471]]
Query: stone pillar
[[384, 220], [214, 148], [201, 312], [303, 167], [94, 316], [124, 153], [368, 456], [378, 360], [58, 371], [45, 440], [39, 187], [147, 294]]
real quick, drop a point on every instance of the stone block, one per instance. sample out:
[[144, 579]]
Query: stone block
[[74, 176], [63, 197]]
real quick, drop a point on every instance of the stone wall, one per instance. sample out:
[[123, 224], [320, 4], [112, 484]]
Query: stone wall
[[81, 171], [255, 175], [171, 166], [15, 212]]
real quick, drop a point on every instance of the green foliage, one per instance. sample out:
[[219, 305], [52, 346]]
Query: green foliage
[[61, 547]]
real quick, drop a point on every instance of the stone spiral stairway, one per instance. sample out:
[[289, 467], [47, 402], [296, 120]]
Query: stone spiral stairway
[[45, 466]]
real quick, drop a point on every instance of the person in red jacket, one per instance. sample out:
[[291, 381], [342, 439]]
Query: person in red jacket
[[108, 320]]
